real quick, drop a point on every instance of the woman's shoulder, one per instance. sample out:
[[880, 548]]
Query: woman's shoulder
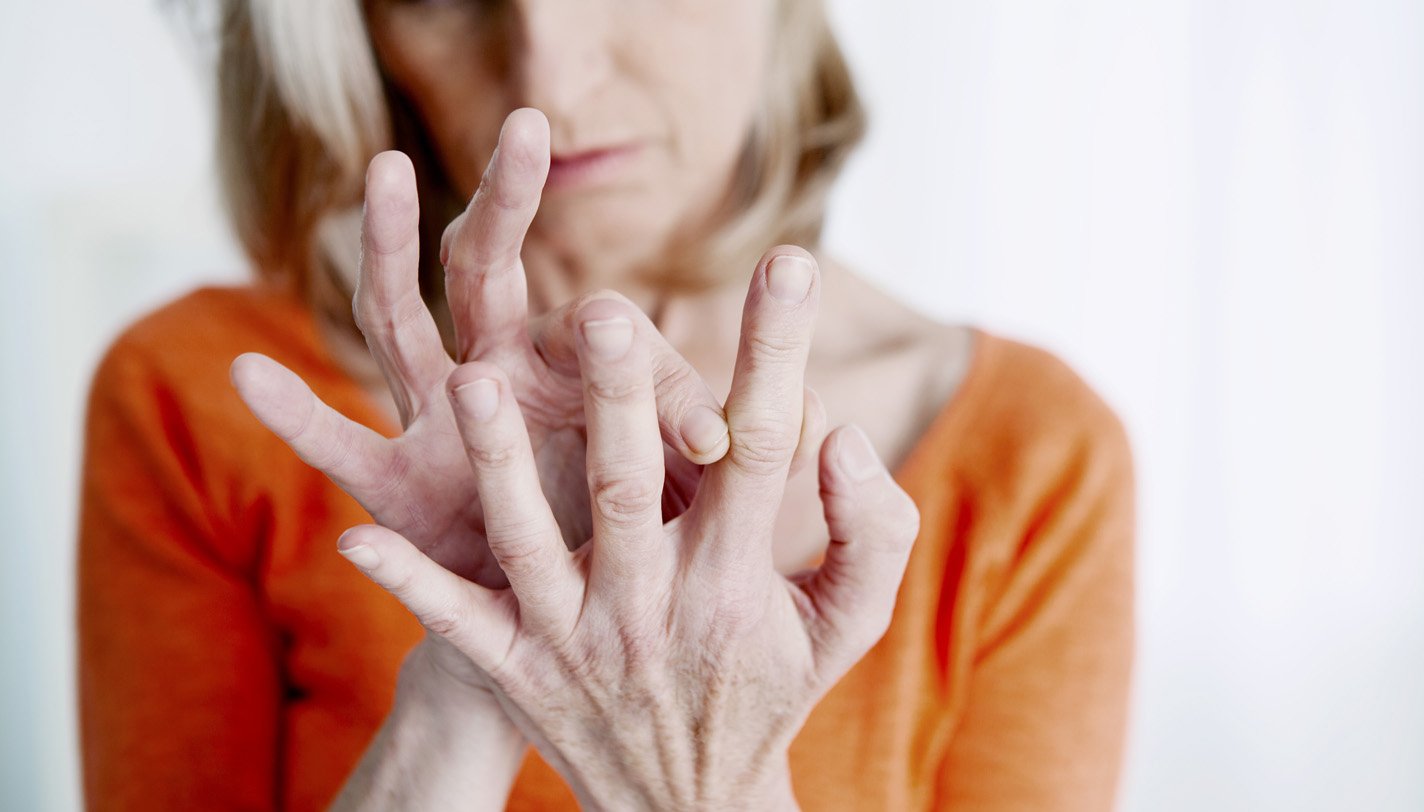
[[165, 377], [1020, 418], [983, 404], [1031, 391], [188, 334]]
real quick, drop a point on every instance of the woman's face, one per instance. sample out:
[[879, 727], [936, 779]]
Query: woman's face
[[649, 104]]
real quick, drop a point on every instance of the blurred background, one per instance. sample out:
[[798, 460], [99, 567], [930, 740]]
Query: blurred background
[[1214, 209]]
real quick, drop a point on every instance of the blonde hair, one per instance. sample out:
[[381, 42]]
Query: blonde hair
[[302, 107]]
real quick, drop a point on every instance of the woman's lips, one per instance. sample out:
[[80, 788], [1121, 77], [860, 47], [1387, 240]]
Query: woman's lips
[[588, 168]]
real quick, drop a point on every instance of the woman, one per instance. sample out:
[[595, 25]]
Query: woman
[[230, 658]]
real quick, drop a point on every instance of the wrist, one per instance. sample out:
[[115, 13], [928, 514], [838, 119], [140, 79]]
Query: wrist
[[445, 742], [451, 713], [436, 672]]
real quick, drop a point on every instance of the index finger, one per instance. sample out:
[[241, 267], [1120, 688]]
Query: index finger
[[766, 404]]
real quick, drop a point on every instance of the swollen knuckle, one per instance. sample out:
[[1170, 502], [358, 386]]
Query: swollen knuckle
[[518, 543], [493, 457], [444, 619], [626, 502], [762, 447], [525, 558], [616, 392]]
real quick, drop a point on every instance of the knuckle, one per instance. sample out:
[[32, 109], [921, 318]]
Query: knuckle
[[674, 380], [775, 348], [733, 618], [518, 544], [493, 193], [904, 523], [617, 392], [762, 446], [444, 619], [492, 457], [375, 318], [530, 561], [625, 502]]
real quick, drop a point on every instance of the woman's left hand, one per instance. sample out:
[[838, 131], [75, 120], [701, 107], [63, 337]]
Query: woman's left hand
[[665, 666]]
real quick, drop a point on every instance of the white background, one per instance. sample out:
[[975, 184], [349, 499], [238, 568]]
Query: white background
[[1213, 208]]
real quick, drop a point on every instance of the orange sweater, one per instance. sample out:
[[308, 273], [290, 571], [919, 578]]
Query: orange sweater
[[230, 659]]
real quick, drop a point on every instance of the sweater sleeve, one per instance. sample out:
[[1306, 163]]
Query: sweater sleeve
[[1046, 707], [179, 686]]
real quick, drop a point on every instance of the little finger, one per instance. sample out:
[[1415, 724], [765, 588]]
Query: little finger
[[873, 524], [625, 451]]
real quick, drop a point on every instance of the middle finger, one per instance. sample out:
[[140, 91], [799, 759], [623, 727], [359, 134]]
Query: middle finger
[[625, 450], [766, 404], [484, 276], [387, 306]]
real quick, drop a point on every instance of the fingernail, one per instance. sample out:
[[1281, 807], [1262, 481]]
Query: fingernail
[[362, 556], [703, 430], [857, 456], [788, 277], [609, 339], [480, 398]]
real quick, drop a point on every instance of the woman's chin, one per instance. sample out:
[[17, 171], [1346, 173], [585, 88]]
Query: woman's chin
[[609, 234]]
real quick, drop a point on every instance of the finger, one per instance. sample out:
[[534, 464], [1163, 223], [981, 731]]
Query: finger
[[625, 452], [689, 415], [474, 619], [357, 459], [519, 526], [398, 327], [484, 277], [764, 408], [680, 484], [873, 524], [813, 432]]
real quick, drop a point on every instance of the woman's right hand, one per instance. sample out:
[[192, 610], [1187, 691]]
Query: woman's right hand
[[420, 484]]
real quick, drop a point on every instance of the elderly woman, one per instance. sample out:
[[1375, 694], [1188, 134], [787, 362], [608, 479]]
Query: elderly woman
[[679, 600]]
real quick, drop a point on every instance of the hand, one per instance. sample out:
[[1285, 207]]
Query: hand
[[664, 666], [419, 483]]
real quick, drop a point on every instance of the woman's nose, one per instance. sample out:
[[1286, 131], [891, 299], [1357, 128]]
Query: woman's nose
[[564, 56]]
